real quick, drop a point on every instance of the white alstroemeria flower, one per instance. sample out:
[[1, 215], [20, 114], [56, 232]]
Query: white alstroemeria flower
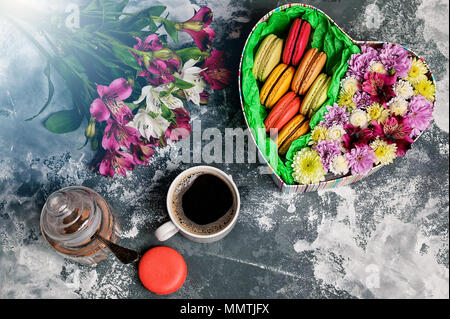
[[149, 126], [191, 74], [154, 100]]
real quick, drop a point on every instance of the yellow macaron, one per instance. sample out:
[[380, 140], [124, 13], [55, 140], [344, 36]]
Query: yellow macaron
[[267, 57], [316, 96]]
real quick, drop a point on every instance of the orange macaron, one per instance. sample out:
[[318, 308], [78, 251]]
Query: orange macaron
[[308, 70], [276, 85]]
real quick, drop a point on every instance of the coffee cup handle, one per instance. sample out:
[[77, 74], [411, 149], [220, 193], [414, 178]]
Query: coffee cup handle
[[166, 231]]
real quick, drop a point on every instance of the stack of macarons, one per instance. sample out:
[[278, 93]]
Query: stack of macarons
[[294, 87]]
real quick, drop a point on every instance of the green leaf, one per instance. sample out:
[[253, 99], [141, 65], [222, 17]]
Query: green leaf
[[63, 122], [141, 19], [183, 84], [124, 55], [114, 6], [51, 91], [193, 53], [168, 114], [132, 106], [171, 30]]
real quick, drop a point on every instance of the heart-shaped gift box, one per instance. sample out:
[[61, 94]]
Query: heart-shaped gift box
[[339, 47]]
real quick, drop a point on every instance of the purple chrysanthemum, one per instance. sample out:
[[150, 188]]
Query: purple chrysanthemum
[[336, 115], [327, 150], [397, 58], [362, 100], [359, 63], [360, 159], [419, 115]]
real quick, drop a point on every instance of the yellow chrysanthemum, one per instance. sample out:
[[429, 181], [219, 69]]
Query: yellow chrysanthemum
[[375, 112], [418, 71], [384, 116], [426, 88], [345, 98], [307, 166], [384, 152], [319, 133]]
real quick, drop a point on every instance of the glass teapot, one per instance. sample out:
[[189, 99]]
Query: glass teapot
[[70, 218]]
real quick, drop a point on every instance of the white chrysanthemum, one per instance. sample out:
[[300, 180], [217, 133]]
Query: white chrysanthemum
[[350, 85], [336, 132], [339, 165], [359, 118], [403, 89], [398, 106], [378, 67]]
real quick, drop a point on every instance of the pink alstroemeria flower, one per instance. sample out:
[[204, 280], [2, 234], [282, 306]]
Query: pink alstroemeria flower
[[150, 44], [117, 135], [110, 103], [215, 74], [158, 73], [379, 86], [356, 136], [116, 163], [156, 70], [395, 130], [183, 127], [198, 28], [142, 152], [204, 98]]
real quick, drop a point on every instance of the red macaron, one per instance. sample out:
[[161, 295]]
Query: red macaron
[[283, 112], [296, 42], [162, 270]]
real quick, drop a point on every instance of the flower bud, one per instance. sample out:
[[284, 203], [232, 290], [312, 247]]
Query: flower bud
[[179, 26], [146, 61], [194, 25], [392, 71], [94, 144], [90, 130], [164, 54]]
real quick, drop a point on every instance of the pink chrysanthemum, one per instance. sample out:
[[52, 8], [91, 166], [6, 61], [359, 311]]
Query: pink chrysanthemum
[[327, 150], [361, 159], [419, 115]]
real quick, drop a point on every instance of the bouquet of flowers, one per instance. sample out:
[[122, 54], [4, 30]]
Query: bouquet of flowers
[[127, 83], [386, 101]]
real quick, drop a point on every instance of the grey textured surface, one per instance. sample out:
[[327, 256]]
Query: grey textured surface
[[331, 244]]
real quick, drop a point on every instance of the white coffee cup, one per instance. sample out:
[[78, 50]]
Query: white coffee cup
[[172, 227]]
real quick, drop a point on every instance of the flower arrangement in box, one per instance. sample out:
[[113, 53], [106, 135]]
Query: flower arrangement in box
[[350, 108], [385, 102]]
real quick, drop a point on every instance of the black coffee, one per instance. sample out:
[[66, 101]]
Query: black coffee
[[204, 203], [207, 200]]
